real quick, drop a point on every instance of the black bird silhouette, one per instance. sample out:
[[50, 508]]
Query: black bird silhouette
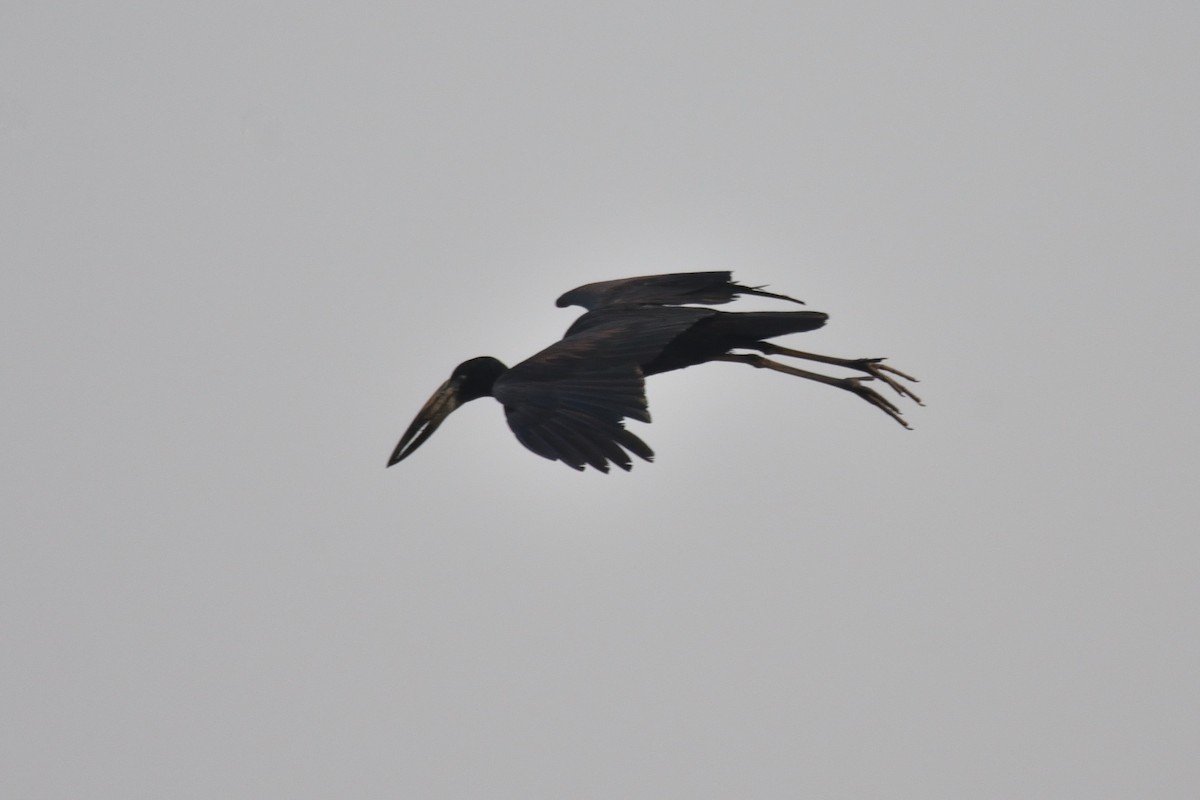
[[567, 402]]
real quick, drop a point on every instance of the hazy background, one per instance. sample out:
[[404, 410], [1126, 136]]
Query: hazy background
[[243, 242]]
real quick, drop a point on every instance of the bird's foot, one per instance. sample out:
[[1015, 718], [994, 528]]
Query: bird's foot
[[858, 386], [872, 366], [877, 369]]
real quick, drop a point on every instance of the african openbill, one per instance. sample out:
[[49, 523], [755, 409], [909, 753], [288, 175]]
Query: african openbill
[[567, 402]]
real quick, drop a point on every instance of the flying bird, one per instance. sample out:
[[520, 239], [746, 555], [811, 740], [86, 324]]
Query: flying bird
[[568, 402]]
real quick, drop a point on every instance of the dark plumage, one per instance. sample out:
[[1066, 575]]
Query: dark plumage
[[672, 289], [568, 402]]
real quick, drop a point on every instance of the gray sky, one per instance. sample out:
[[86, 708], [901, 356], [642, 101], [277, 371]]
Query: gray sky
[[244, 241]]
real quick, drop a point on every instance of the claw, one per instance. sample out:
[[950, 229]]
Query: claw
[[855, 385], [877, 369]]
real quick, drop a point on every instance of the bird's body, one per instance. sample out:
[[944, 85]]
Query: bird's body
[[568, 402]]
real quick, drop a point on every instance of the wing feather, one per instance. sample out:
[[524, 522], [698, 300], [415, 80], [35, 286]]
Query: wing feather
[[574, 450], [568, 403], [680, 288]]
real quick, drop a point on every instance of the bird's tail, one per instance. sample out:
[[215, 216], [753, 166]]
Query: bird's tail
[[754, 326]]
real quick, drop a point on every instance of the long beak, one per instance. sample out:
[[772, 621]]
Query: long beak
[[431, 415]]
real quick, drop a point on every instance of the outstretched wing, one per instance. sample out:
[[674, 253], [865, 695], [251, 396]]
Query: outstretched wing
[[681, 288], [567, 402]]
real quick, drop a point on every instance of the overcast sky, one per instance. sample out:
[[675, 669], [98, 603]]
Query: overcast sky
[[243, 242]]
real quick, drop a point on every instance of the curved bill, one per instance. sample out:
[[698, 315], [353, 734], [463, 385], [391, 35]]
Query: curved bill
[[431, 415]]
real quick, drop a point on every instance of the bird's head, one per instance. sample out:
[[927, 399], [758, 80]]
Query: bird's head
[[470, 380]]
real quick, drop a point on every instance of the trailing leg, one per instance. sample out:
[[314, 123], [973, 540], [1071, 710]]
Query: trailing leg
[[872, 366], [853, 385]]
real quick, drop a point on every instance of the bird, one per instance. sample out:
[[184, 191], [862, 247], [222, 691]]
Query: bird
[[569, 401]]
